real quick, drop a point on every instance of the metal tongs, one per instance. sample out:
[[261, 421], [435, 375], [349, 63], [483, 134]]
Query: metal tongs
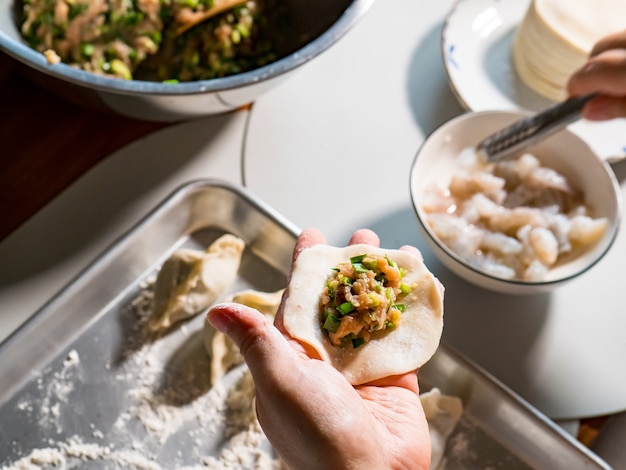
[[514, 139]]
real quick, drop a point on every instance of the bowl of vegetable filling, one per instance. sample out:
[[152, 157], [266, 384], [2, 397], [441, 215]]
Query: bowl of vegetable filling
[[169, 60]]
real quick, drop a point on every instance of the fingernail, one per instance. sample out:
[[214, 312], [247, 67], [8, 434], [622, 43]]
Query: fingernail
[[218, 318]]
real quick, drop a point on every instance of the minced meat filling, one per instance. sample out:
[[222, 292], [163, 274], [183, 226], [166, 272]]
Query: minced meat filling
[[362, 296], [137, 39]]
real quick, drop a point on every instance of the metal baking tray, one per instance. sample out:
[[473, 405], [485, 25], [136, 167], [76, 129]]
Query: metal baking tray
[[81, 379]]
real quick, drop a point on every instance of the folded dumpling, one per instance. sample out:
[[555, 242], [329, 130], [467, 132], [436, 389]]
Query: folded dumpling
[[443, 412], [191, 280]]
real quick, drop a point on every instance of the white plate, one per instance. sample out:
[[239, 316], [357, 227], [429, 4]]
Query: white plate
[[476, 42]]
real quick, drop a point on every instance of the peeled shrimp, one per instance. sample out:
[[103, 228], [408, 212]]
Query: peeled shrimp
[[512, 219]]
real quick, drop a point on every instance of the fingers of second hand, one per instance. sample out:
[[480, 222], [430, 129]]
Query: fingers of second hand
[[412, 249], [308, 238], [311, 236], [365, 236]]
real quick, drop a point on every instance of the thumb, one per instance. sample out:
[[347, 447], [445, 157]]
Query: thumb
[[262, 346]]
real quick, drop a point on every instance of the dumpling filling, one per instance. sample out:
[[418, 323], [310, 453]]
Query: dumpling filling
[[139, 39], [361, 297]]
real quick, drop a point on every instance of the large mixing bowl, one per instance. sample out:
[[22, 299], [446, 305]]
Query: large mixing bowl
[[314, 26]]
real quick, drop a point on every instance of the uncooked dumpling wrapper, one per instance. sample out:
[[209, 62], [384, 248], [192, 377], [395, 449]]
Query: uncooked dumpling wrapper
[[191, 280], [402, 349]]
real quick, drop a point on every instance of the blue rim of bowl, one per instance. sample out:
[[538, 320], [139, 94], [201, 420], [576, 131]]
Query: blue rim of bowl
[[516, 282], [28, 56]]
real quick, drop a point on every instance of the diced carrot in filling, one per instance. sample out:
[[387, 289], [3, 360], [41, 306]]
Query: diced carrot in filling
[[362, 296]]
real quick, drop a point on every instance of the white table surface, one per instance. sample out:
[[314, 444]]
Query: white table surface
[[356, 113], [326, 138]]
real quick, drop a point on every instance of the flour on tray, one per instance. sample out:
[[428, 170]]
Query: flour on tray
[[169, 409], [168, 404]]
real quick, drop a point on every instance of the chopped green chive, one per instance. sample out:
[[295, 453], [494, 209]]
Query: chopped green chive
[[120, 69], [359, 268], [345, 280], [356, 342], [391, 262], [345, 308], [370, 263], [374, 299], [331, 323], [243, 30], [77, 9], [87, 49], [157, 37], [357, 259]]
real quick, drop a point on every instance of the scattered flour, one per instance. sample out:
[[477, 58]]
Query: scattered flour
[[72, 359], [71, 453], [187, 405], [56, 393]]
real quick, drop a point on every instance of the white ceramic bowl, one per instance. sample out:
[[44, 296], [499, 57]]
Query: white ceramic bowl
[[563, 151], [314, 27]]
